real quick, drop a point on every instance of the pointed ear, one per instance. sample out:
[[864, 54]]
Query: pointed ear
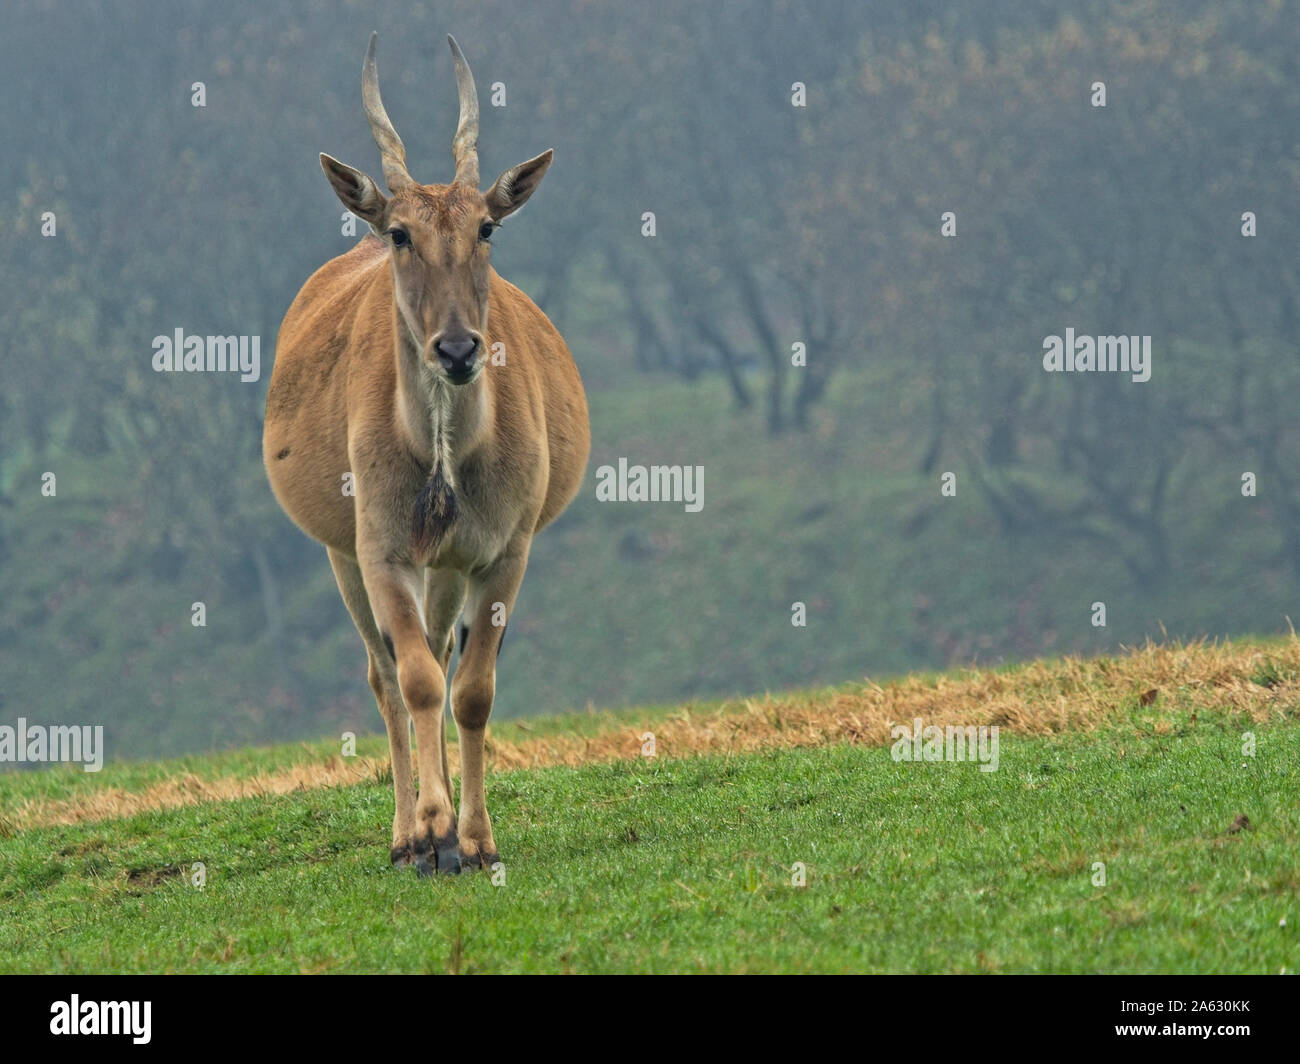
[[359, 194], [512, 189]]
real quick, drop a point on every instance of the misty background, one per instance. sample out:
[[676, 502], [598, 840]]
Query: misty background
[[775, 225]]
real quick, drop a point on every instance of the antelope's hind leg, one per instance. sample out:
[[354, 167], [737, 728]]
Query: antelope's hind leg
[[383, 681], [444, 598], [492, 597]]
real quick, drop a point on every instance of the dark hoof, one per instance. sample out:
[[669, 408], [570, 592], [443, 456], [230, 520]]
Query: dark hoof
[[448, 856], [401, 856], [445, 854], [479, 860], [446, 866]]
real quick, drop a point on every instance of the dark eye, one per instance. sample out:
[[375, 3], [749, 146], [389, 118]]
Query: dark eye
[[486, 230], [399, 237]]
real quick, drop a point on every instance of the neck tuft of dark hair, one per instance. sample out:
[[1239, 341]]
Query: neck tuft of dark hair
[[434, 511]]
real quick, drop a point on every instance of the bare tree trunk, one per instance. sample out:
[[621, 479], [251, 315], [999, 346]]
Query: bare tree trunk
[[270, 594]]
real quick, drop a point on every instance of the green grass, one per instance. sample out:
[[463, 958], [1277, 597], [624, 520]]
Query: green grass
[[685, 865]]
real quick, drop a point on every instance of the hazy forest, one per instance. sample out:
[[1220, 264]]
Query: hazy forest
[[818, 249]]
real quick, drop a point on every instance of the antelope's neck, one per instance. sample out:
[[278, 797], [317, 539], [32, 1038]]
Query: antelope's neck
[[439, 422]]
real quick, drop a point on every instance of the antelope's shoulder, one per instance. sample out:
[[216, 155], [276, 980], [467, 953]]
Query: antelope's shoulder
[[334, 292], [515, 316]]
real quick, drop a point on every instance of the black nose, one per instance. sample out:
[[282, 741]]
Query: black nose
[[456, 355]]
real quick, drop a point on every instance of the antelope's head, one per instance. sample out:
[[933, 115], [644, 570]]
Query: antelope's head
[[439, 236]]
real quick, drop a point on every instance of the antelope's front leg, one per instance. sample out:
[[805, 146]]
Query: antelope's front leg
[[472, 691], [424, 690]]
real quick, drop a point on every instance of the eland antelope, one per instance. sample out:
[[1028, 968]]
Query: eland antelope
[[424, 419]]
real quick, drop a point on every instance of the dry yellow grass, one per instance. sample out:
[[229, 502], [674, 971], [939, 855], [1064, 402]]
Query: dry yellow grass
[[1035, 699], [111, 803]]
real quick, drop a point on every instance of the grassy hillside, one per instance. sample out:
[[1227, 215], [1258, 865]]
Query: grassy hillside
[[686, 862], [624, 604]]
